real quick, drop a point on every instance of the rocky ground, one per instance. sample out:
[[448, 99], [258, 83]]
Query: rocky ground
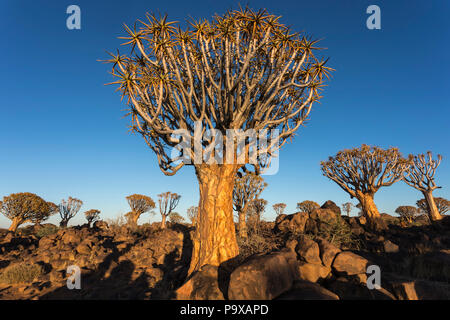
[[321, 255]]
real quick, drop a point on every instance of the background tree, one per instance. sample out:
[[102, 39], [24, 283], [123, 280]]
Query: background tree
[[92, 216], [243, 70], [68, 209], [167, 201], [22, 207], [442, 204], [363, 171], [279, 208], [407, 213], [307, 206], [192, 213], [139, 205], [42, 215], [421, 177], [347, 208], [175, 217], [246, 189], [256, 209]]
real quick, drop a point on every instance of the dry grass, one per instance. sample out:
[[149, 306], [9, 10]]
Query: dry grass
[[20, 273]]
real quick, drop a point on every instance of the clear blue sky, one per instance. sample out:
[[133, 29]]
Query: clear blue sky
[[62, 132]]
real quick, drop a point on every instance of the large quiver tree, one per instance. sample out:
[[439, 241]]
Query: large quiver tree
[[363, 171], [421, 177], [242, 70]]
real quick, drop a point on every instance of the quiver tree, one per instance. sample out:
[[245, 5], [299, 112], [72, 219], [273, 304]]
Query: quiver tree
[[192, 213], [242, 71], [167, 201], [256, 209], [421, 177], [175, 217], [363, 171], [347, 208], [442, 204], [24, 207], [307, 206], [68, 209], [92, 216], [279, 208], [246, 189], [42, 215], [139, 205], [407, 213]]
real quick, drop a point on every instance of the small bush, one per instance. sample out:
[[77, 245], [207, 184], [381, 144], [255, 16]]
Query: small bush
[[46, 231], [20, 273], [259, 240], [339, 233]]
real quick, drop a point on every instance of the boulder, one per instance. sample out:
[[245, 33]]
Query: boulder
[[294, 223], [348, 263], [308, 250], [327, 252], [305, 290], [264, 277], [203, 285], [332, 206], [101, 225], [323, 215], [390, 247], [313, 272]]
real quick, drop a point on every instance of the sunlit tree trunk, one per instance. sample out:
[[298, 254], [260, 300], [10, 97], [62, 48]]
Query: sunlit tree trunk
[[163, 221], [371, 212], [214, 239], [433, 211], [15, 224], [242, 225]]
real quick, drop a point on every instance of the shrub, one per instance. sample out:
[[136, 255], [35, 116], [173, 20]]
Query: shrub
[[20, 273], [339, 233], [46, 231], [259, 240]]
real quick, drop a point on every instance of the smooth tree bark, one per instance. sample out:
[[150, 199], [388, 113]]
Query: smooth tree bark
[[246, 189], [421, 177], [363, 171], [186, 88], [167, 201]]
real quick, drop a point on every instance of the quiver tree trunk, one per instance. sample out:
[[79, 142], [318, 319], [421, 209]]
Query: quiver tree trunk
[[15, 224], [242, 225], [63, 223], [214, 240], [163, 221], [433, 212], [371, 212]]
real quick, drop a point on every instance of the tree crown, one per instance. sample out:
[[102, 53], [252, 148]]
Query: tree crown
[[241, 70]]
